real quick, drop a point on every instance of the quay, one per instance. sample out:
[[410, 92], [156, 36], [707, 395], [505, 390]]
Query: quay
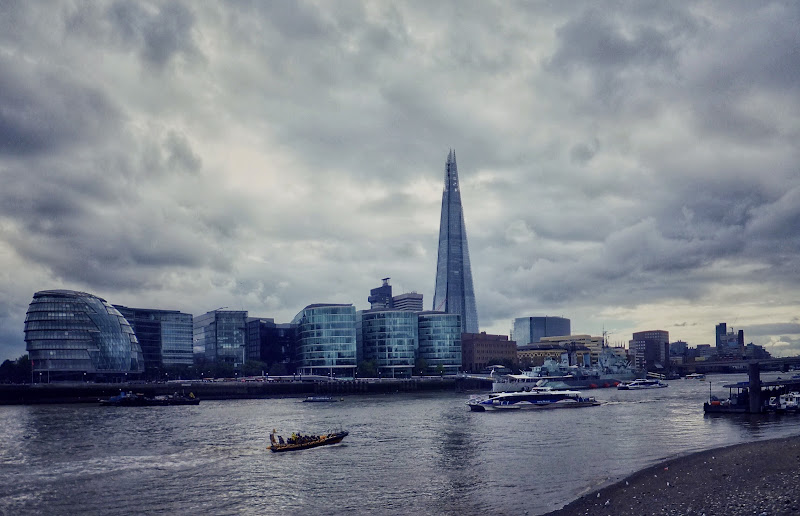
[[79, 392]]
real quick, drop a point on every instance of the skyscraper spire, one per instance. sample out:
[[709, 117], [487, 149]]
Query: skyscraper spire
[[454, 292]]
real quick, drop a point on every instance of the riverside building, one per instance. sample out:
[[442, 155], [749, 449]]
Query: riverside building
[[220, 336], [454, 292], [77, 336], [164, 335], [440, 342], [479, 350], [326, 339], [389, 338]]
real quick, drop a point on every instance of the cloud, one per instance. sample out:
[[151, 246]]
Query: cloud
[[633, 167]]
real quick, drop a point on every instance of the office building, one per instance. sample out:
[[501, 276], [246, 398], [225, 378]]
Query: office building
[[454, 292], [411, 302], [73, 335], [221, 336], [440, 342], [326, 339], [381, 297], [269, 342], [530, 330], [730, 344], [479, 350], [650, 350], [389, 339], [165, 336]]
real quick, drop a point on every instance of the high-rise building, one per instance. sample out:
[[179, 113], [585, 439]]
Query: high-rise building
[[650, 350], [381, 297], [269, 342], [729, 344], [411, 302], [221, 336], [530, 330], [454, 292], [70, 335], [164, 335]]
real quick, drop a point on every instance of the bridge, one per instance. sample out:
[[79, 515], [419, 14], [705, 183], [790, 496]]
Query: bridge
[[738, 365]]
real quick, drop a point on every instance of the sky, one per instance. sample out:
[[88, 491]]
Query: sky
[[628, 165]]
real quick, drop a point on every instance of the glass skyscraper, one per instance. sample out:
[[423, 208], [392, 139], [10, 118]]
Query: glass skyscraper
[[454, 292]]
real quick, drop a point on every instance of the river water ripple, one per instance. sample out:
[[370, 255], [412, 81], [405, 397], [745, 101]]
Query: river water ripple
[[406, 453]]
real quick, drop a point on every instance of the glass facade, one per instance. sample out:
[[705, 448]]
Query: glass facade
[[326, 339], [164, 335], [454, 292], [389, 338], [221, 335], [70, 333], [529, 330], [440, 341]]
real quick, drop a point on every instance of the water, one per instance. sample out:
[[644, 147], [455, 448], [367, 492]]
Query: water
[[406, 453]]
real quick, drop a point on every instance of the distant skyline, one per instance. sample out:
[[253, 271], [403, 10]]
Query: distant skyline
[[628, 165]]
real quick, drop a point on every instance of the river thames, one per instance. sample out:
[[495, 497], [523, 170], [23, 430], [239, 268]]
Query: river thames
[[406, 453]]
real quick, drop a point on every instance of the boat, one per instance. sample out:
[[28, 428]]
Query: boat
[[303, 442], [131, 399], [696, 376], [534, 398], [789, 402], [320, 399], [642, 383], [610, 371]]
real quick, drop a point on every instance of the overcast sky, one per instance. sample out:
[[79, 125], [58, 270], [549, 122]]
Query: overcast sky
[[628, 165]]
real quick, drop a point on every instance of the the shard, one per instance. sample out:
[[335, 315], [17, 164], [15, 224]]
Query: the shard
[[454, 292]]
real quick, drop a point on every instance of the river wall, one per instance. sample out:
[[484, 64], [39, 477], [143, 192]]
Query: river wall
[[213, 390]]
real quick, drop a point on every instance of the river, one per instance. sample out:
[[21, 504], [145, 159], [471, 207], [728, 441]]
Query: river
[[406, 453]]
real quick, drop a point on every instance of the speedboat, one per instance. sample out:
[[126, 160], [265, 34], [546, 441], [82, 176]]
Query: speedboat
[[534, 398], [642, 383], [303, 442]]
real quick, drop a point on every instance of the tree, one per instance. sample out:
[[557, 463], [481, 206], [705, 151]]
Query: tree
[[367, 369], [421, 366], [18, 371]]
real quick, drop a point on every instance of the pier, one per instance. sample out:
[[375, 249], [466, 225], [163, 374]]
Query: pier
[[750, 396]]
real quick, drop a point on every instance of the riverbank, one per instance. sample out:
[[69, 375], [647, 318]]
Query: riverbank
[[760, 478], [78, 392]]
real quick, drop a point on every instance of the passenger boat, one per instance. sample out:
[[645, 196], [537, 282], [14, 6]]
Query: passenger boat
[[696, 376], [535, 398], [642, 383], [303, 442], [131, 399], [319, 399]]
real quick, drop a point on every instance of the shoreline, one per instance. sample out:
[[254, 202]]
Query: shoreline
[[758, 477]]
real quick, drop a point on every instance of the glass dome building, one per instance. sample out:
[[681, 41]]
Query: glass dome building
[[70, 334]]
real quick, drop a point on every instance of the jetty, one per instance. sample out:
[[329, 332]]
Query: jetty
[[752, 396]]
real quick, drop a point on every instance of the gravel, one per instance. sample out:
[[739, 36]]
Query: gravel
[[761, 478]]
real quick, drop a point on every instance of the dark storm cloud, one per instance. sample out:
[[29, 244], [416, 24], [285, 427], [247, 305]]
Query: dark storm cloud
[[42, 109]]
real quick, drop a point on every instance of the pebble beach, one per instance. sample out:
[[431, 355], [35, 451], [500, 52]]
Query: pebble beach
[[760, 478]]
